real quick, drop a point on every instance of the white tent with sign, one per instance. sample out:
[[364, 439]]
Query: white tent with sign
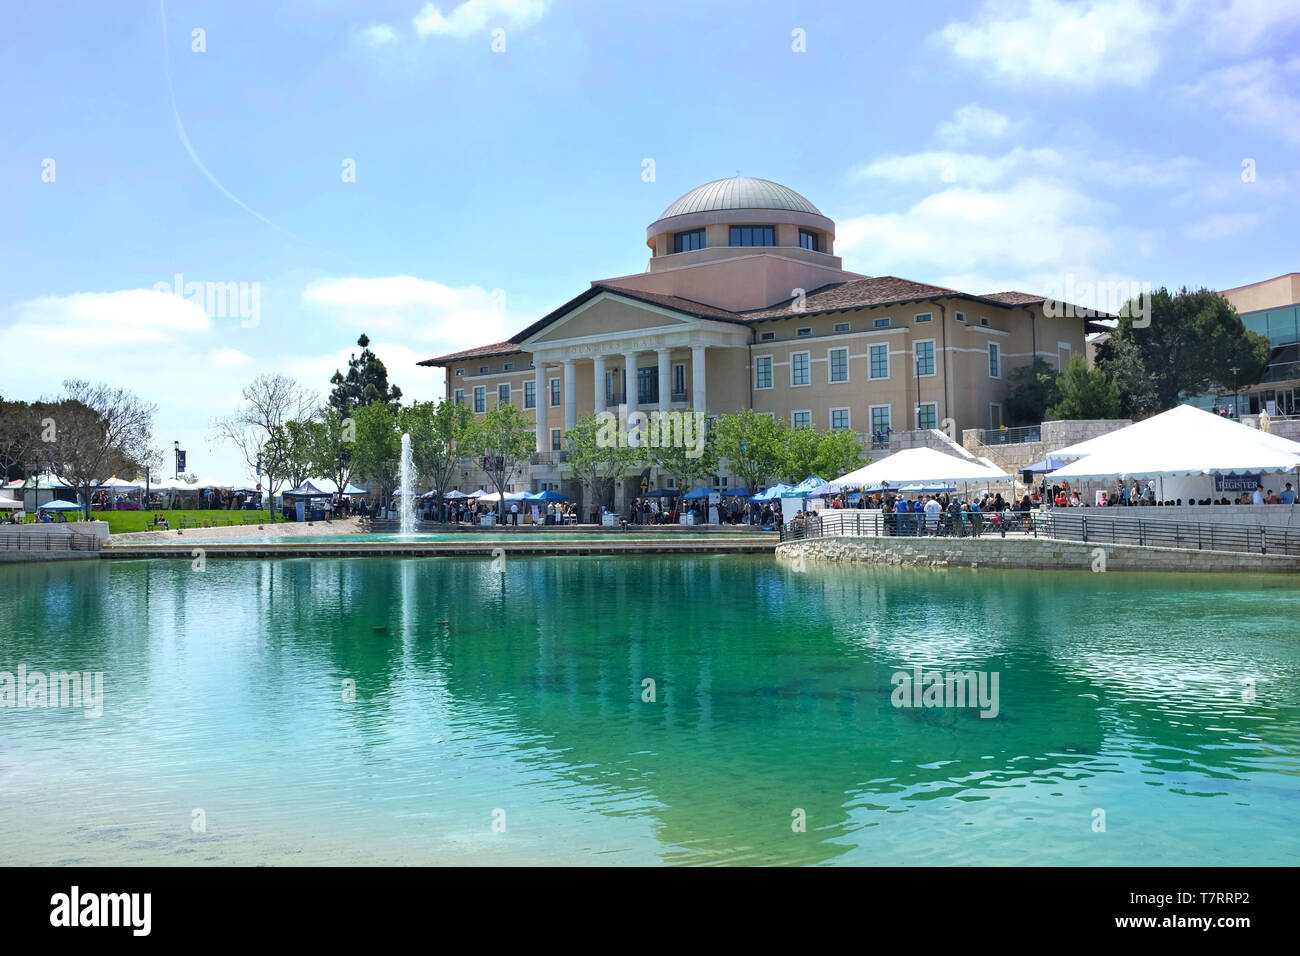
[[1184, 441], [920, 465]]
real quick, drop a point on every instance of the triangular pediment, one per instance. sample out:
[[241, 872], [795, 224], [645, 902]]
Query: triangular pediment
[[609, 314]]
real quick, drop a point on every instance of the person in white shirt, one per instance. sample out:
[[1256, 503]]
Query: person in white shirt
[[932, 511], [1258, 497], [514, 513]]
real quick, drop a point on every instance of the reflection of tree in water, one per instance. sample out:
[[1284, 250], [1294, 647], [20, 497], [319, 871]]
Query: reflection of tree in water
[[773, 687]]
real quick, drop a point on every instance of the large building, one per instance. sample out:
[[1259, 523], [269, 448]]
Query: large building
[[744, 304], [1271, 308]]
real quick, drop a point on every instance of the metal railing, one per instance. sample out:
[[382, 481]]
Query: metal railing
[[50, 541], [871, 523], [1162, 533], [1010, 436]]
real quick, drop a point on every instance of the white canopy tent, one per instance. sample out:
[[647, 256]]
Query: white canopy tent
[[920, 465], [1182, 441]]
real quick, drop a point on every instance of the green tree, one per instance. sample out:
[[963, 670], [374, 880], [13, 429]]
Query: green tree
[[1192, 344], [1032, 390], [20, 428], [438, 435], [752, 445], [598, 459], [378, 447], [366, 382], [502, 440], [824, 454], [1137, 391], [332, 441], [1086, 393], [680, 462]]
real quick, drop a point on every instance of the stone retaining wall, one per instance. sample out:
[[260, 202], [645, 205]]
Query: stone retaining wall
[[1037, 554]]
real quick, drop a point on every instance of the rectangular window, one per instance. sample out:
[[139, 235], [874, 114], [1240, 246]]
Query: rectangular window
[[995, 361], [925, 357], [556, 439], [801, 419], [555, 393], [482, 369], [839, 419], [609, 387], [880, 361], [460, 396], [508, 367], [766, 336], [802, 332], [839, 363], [841, 326], [530, 394], [984, 321], [460, 372], [799, 368], [807, 240], [880, 422], [763, 371], [753, 235], [1062, 355], [925, 316], [679, 380], [480, 399], [880, 324], [688, 241], [647, 385], [961, 316], [927, 415], [503, 394]]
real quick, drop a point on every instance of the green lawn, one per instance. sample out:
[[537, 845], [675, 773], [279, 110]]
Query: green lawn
[[120, 522]]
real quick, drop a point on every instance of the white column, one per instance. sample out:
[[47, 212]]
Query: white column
[[665, 385], [570, 396], [542, 400], [598, 376], [629, 389], [699, 390]]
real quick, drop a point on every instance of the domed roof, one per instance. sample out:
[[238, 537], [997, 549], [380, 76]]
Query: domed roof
[[739, 192]]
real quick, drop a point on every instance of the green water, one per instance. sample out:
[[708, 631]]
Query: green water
[[1170, 703]]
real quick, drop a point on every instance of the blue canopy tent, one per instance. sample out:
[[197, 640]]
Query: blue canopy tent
[[304, 494], [736, 493], [1047, 464], [698, 493], [810, 487], [770, 494], [57, 505], [660, 493], [547, 495]]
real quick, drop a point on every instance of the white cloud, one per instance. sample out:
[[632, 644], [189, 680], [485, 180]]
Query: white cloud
[[1023, 236], [422, 311], [1092, 43], [972, 121], [1254, 94], [478, 16], [141, 316], [1222, 226], [1242, 25], [941, 167], [378, 34]]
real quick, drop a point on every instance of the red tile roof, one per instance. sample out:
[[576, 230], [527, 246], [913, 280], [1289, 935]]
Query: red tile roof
[[483, 351]]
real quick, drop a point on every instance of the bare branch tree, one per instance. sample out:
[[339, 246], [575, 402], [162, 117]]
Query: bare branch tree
[[259, 428], [94, 431]]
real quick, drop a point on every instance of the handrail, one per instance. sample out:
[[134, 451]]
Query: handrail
[[48, 541]]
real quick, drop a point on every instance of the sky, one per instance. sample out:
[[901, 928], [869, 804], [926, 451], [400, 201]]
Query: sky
[[439, 176]]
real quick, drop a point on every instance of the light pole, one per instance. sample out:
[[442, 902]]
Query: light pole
[[176, 460], [1236, 410]]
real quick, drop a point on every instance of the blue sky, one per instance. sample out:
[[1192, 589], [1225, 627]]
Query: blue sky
[[988, 146]]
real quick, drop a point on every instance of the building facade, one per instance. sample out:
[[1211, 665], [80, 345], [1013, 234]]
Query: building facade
[[744, 304], [1271, 308]]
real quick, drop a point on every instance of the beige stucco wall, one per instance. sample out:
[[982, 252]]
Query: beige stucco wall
[[1269, 294]]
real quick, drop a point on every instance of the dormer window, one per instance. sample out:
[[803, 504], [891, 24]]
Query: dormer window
[[688, 241], [753, 235]]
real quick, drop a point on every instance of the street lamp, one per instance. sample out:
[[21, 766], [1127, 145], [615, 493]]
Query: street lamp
[[1236, 408], [176, 460]]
